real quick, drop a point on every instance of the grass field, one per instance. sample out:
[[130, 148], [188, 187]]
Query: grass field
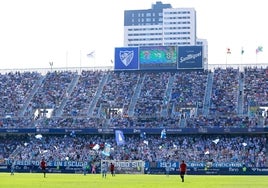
[[36, 180]]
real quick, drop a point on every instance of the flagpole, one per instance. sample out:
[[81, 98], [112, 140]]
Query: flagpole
[[241, 62], [242, 53], [226, 61], [92, 55], [227, 53], [80, 62], [259, 49], [66, 59], [256, 59], [94, 63]]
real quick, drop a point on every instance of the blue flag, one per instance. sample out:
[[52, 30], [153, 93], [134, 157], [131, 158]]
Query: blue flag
[[107, 150], [119, 137]]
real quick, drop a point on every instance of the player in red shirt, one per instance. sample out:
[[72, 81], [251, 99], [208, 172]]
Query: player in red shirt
[[43, 166], [112, 169], [183, 168]]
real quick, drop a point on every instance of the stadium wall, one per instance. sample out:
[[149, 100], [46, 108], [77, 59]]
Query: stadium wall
[[133, 167], [133, 131]]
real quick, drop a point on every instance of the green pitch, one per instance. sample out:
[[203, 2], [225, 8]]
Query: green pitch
[[36, 180]]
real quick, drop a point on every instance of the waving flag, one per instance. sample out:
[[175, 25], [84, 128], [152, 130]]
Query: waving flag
[[163, 134], [242, 51], [107, 149], [119, 137], [146, 142], [216, 141], [244, 144], [91, 54], [38, 136], [259, 49], [96, 147]]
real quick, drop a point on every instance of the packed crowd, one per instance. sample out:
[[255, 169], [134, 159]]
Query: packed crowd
[[148, 95], [72, 96], [118, 91], [189, 89], [14, 90], [84, 91], [152, 94], [248, 150], [255, 87], [224, 92], [51, 91]]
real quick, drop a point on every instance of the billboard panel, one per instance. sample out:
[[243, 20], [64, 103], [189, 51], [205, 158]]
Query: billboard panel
[[126, 58], [190, 57], [158, 57]]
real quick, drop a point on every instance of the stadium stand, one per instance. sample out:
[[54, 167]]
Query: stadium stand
[[76, 111]]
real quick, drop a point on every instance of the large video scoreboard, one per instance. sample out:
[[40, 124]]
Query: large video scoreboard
[[158, 58]]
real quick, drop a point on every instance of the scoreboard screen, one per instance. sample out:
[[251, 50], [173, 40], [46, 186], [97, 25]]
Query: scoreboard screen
[[158, 57]]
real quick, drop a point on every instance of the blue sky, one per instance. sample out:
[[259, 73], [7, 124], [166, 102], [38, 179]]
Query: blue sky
[[36, 32]]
